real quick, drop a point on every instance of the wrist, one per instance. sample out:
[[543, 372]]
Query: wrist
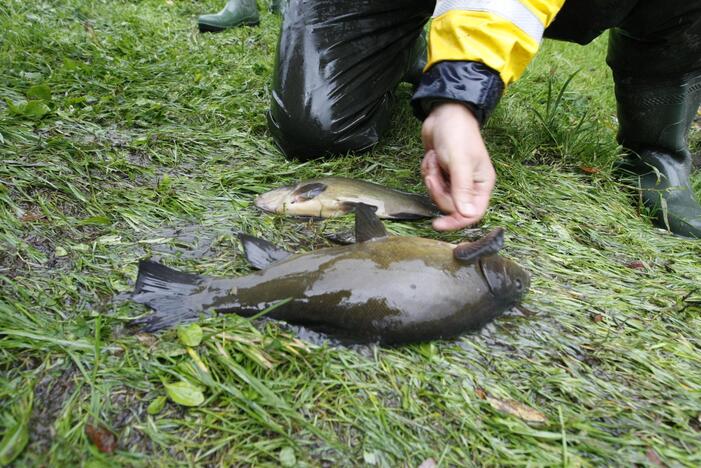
[[430, 106], [455, 111]]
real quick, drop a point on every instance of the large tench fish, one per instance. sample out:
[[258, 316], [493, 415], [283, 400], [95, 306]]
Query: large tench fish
[[385, 289], [327, 197]]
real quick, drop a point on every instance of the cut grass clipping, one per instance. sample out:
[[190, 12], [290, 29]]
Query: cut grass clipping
[[126, 134]]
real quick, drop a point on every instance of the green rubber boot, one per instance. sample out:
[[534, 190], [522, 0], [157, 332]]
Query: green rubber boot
[[278, 6], [654, 124], [235, 13]]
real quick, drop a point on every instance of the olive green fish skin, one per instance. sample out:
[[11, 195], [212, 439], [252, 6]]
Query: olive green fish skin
[[390, 290], [335, 196]]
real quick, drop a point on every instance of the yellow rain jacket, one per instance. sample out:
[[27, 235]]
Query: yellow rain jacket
[[478, 47]]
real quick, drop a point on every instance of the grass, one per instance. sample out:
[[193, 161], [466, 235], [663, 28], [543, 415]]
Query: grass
[[152, 141]]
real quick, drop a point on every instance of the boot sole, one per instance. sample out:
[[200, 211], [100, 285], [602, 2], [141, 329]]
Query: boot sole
[[204, 27]]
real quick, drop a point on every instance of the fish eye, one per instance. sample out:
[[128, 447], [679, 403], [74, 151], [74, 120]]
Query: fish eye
[[519, 284]]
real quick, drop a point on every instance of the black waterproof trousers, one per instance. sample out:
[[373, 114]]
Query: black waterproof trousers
[[338, 62]]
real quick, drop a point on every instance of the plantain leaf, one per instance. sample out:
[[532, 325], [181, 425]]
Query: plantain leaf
[[34, 110], [40, 92], [190, 335], [156, 405], [184, 393]]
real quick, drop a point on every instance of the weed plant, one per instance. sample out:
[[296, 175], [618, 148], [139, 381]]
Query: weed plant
[[126, 134]]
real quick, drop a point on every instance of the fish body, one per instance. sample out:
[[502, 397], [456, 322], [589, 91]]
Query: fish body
[[387, 289], [327, 197]]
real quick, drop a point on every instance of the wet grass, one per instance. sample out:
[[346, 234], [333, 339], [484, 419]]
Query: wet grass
[[125, 134]]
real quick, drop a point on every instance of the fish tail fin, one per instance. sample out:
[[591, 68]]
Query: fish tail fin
[[169, 293]]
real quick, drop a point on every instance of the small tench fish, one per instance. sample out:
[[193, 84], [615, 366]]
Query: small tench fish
[[335, 196], [385, 289]]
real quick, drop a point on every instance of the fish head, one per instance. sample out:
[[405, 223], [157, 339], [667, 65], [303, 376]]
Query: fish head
[[274, 200], [299, 199], [507, 281]]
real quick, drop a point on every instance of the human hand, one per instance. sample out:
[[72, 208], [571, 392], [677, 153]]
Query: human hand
[[456, 168]]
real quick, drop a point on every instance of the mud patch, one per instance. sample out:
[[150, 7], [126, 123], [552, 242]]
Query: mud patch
[[54, 390], [11, 264], [138, 158], [128, 412], [50, 396]]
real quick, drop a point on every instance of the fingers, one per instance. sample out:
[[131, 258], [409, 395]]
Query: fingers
[[462, 186], [452, 222], [436, 184], [472, 182], [443, 191], [439, 190], [457, 170]]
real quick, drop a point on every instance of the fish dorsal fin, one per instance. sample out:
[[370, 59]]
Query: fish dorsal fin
[[308, 191], [261, 253], [367, 224], [470, 252]]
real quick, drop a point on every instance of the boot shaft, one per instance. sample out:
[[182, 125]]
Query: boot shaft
[[659, 117], [241, 7]]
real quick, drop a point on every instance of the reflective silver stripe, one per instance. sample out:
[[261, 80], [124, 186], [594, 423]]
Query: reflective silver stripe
[[512, 10]]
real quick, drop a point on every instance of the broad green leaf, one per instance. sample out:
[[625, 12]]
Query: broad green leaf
[[13, 443], [184, 393], [36, 109], [41, 92], [287, 457], [156, 405], [31, 110], [190, 335]]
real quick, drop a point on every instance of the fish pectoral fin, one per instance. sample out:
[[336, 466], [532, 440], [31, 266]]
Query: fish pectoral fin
[[470, 252], [367, 224], [308, 191], [260, 253]]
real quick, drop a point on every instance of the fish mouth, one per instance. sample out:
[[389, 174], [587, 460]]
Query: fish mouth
[[274, 200], [504, 284]]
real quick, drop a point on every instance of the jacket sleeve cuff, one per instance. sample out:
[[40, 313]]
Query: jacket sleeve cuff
[[472, 83]]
